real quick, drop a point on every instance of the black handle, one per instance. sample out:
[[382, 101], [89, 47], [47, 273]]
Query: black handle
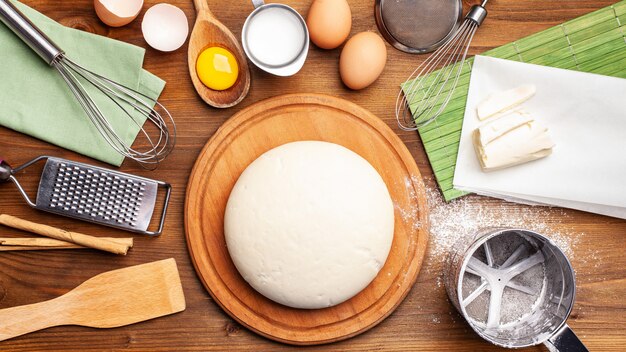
[[565, 340]]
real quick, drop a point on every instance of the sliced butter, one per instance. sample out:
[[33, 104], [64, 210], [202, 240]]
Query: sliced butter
[[511, 140], [499, 103]]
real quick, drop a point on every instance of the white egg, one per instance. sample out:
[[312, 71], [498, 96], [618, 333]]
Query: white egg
[[117, 13], [165, 27]]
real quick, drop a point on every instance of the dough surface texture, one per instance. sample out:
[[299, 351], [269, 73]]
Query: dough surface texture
[[309, 224]]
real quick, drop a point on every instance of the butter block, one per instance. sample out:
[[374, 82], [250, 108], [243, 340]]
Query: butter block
[[511, 140], [499, 103]]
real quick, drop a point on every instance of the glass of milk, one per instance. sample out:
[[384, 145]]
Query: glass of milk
[[275, 38]]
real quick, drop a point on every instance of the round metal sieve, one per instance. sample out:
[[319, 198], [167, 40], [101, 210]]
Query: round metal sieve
[[514, 287], [418, 26]]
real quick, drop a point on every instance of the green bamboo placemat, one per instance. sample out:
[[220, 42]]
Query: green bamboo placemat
[[595, 43]]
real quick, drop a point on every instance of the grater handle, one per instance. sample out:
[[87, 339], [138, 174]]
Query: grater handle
[[6, 174], [5, 171], [166, 201], [565, 340], [29, 33]]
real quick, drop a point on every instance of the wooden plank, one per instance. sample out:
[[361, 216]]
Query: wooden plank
[[425, 321]]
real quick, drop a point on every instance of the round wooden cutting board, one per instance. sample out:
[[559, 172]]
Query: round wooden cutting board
[[269, 124]]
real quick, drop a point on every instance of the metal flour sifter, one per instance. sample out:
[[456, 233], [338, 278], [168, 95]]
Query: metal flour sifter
[[93, 194], [515, 288]]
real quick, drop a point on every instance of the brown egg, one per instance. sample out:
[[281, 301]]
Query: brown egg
[[362, 60], [329, 22]]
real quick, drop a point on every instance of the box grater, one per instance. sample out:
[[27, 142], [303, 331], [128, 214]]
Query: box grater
[[93, 194]]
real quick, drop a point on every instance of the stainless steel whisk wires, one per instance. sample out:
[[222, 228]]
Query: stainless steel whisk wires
[[125, 98], [428, 94], [158, 148]]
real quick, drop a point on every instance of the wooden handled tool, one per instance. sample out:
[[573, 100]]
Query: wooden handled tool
[[39, 243], [100, 243], [115, 298]]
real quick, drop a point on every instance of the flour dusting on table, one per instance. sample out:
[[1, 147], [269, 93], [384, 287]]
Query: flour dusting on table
[[461, 218]]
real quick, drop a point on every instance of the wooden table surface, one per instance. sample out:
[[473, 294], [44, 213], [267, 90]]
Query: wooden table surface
[[424, 321]]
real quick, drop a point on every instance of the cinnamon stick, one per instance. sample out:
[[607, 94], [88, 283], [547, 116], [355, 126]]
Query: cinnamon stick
[[100, 243], [34, 243]]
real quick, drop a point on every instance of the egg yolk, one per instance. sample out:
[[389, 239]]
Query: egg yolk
[[217, 68]]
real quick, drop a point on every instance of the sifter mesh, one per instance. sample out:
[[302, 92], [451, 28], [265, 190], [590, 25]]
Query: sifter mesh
[[417, 26], [519, 296]]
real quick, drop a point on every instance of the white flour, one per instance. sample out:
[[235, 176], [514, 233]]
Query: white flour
[[463, 217]]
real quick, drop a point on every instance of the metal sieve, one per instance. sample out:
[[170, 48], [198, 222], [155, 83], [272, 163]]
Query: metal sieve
[[515, 288], [417, 26]]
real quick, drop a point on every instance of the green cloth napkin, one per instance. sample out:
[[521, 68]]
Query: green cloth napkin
[[35, 100]]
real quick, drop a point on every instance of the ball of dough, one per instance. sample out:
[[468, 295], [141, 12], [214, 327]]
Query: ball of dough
[[309, 224]]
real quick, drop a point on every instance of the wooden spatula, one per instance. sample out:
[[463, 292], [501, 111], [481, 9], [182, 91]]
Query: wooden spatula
[[115, 298]]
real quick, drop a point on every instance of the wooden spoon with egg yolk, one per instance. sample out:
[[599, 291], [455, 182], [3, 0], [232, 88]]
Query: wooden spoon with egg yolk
[[207, 32]]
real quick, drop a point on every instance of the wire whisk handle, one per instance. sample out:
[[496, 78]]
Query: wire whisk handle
[[15, 20]]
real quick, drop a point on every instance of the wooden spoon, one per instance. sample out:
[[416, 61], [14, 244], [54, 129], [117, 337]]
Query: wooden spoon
[[208, 31], [115, 298]]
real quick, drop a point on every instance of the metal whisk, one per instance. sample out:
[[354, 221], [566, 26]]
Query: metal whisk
[[127, 99], [430, 92]]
